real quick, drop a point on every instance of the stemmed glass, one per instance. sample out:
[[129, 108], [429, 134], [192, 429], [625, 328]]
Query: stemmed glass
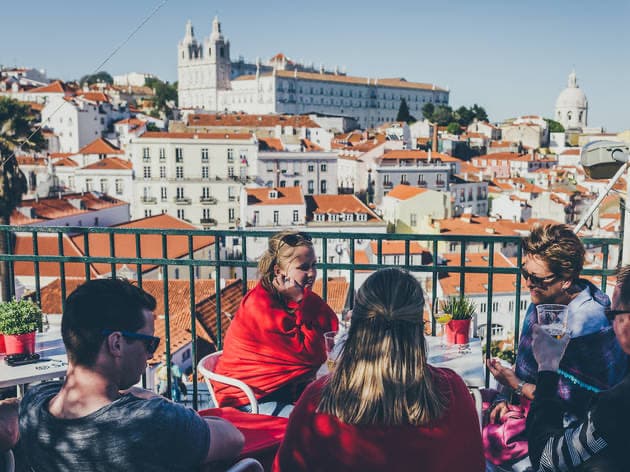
[[442, 319]]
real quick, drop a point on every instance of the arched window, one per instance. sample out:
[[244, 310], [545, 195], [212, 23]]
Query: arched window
[[569, 115], [580, 116]]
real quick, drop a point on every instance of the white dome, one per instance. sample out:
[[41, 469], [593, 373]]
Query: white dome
[[571, 98]]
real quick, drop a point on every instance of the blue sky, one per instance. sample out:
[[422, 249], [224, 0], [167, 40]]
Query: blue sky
[[513, 58]]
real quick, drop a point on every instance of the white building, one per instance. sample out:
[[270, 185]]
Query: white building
[[571, 106], [269, 208], [195, 177], [135, 79], [207, 79], [315, 172]]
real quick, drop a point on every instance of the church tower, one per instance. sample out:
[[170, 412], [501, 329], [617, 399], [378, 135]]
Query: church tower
[[572, 106], [203, 70]]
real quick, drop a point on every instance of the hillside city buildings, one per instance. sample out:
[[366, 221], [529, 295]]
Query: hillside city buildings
[[277, 144]]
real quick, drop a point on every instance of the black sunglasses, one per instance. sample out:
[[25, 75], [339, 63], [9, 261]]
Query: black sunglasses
[[294, 238], [539, 281], [150, 342], [610, 314]]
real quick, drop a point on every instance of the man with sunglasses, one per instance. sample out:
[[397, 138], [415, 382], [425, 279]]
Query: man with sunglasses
[[97, 420], [553, 258], [599, 442]]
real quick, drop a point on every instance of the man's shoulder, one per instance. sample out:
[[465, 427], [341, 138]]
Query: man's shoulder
[[39, 393]]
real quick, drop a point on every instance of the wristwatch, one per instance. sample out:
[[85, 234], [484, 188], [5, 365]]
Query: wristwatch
[[519, 389]]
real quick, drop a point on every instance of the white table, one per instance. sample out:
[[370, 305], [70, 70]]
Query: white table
[[53, 363]]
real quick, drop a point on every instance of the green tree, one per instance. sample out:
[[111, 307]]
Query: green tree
[[479, 113], [443, 115], [464, 116], [165, 98], [427, 111], [454, 128], [403, 112], [554, 126], [100, 76], [17, 122]]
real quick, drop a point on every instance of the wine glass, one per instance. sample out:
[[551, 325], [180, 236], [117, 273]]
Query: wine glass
[[442, 319]]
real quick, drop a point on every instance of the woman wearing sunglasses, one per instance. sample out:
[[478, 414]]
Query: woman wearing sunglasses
[[275, 343], [594, 361]]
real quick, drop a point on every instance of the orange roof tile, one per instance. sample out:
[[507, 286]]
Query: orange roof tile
[[100, 146], [270, 144], [31, 161], [571, 152], [419, 155], [285, 196], [110, 163], [392, 248], [481, 225], [93, 96], [65, 162], [340, 204], [250, 121], [54, 87], [53, 208], [404, 192], [221, 136], [150, 244]]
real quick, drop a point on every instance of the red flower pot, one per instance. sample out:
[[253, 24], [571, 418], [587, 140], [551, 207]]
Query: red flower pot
[[2, 348], [20, 343], [458, 331]]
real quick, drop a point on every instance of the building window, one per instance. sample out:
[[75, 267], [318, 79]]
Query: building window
[[145, 154], [89, 185], [482, 307], [204, 155], [403, 179], [231, 215], [119, 186], [296, 183], [296, 216], [162, 172], [147, 213], [181, 214], [231, 194], [276, 217], [205, 192], [179, 155], [495, 307], [146, 172], [386, 179], [413, 219], [283, 183], [103, 185], [179, 193], [230, 155], [322, 186], [206, 213], [230, 171], [311, 187], [311, 168], [204, 172], [179, 172], [163, 194], [511, 305], [323, 167], [162, 154]]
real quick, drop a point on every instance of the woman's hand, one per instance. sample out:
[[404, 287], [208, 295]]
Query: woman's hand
[[288, 288], [504, 375], [497, 411]]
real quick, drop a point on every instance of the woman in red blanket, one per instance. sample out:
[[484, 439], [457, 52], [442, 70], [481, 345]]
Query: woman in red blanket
[[275, 343], [384, 408]]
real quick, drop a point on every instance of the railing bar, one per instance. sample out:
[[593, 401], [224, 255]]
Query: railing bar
[[193, 321], [462, 263], [8, 235], [112, 254], [407, 261], [434, 281], [38, 288], [379, 251], [167, 328], [352, 273], [604, 266], [62, 272], [139, 256], [217, 294], [519, 279], [489, 310], [86, 253], [324, 241], [244, 258]]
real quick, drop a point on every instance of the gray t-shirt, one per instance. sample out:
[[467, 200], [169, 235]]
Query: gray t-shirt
[[130, 434]]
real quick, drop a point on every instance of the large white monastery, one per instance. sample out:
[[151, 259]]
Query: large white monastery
[[209, 80], [572, 106]]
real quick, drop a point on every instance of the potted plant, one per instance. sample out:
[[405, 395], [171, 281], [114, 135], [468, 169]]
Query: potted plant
[[460, 310], [19, 320]]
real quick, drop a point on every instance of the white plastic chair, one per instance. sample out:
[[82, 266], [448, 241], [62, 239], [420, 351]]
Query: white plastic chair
[[207, 366], [246, 465]]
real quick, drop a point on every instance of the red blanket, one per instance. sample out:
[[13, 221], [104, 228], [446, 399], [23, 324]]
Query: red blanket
[[267, 347]]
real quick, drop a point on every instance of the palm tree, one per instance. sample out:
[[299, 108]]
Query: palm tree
[[16, 126]]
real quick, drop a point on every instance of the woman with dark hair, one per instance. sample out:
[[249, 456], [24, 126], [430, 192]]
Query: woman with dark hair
[[383, 407], [275, 342]]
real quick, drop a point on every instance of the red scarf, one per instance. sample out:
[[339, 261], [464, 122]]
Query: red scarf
[[267, 347]]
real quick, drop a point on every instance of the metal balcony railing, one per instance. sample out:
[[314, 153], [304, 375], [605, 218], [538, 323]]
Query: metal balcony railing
[[229, 257]]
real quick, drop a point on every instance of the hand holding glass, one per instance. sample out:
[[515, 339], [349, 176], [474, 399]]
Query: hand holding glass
[[553, 319], [333, 348]]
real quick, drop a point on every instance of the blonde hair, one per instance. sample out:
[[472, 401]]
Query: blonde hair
[[381, 376], [280, 249], [559, 247]]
